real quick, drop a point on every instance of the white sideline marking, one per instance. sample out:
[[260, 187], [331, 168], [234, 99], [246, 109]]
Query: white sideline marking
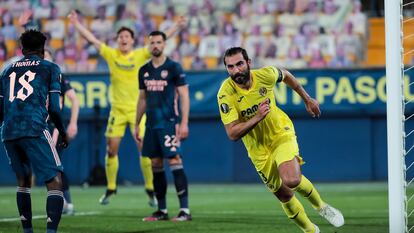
[[44, 216]]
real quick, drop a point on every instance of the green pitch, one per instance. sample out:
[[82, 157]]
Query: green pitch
[[215, 208]]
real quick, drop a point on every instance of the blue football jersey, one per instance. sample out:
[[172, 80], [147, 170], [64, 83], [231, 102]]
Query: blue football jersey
[[24, 89], [160, 87]]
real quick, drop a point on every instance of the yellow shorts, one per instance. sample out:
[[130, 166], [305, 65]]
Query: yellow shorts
[[286, 149], [118, 120]]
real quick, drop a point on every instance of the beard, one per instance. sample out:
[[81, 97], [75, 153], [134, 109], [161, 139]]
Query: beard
[[242, 77], [156, 53]]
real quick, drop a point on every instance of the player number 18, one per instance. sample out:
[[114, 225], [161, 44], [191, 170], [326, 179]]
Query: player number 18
[[25, 85]]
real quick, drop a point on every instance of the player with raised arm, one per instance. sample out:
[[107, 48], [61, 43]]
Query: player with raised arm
[[124, 63], [29, 94], [159, 81], [249, 112]]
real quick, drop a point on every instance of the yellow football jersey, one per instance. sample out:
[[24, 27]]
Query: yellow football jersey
[[124, 74], [236, 103]]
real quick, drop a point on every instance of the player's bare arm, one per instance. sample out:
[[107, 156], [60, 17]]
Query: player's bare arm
[[180, 23], [72, 129], [73, 17], [24, 19], [312, 105], [185, 111], [141, 106], [237, 129]]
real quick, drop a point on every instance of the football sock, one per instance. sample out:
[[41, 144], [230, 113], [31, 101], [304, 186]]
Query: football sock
[[295, 211], [54, 206], [181, 184], [111, 170], [146, 169], [160, 187], [65, 186], [308, 191], [24, 205]]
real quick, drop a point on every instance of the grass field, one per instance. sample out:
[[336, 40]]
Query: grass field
[[215, 208]]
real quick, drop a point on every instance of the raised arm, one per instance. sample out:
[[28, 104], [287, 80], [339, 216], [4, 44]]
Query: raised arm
[[312, 105], [185, 111], [74, 113], [237, 129], [73, 17], [141, 106], [179, 24]]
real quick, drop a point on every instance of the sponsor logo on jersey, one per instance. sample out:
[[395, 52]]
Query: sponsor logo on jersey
[[240, 99], [164, 74], [146, 75], [250, 111], [125, 66], [263, 91], [155, 85], [221, 97], [224, 108]]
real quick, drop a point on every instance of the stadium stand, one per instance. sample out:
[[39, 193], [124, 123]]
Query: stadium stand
[[338, 29]]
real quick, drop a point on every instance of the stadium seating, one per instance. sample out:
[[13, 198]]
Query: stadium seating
[[244, 23]]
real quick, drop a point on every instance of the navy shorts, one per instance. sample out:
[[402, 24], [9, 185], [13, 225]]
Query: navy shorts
[[34, 152], [161, 143]]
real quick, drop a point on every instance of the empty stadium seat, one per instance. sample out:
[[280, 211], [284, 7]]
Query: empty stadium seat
[[211, 62], [11, 47]]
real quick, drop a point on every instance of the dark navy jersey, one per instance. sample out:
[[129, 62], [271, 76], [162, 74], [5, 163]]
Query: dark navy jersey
[[161, 94], [24, 89], [64, 87]]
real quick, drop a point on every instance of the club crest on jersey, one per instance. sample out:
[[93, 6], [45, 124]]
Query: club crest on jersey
[[146, 75], [164, 73], [224, 108], [263, 91]]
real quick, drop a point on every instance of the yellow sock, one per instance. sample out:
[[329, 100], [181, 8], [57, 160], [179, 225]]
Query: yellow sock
[[111, 170], [308, 191], [146, 169], [295, 211]]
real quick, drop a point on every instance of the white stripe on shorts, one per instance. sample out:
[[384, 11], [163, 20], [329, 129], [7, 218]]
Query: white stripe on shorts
[[52, 147]]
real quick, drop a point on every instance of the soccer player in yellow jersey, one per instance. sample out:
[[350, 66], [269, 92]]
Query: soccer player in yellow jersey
[[124, 63], [249, 112]]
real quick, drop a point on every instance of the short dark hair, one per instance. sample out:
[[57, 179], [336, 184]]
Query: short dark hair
[[233, 51], [33, 40], [159, 33], [125, 29]]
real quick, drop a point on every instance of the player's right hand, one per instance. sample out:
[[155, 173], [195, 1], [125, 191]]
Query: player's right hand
[[264, 109], [73, 16], [65, 141]]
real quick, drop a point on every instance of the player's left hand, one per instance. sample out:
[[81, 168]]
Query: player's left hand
[[72, 130], [312, 106], [137, 138], [182, 132]]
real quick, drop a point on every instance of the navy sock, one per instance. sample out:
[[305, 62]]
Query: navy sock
[[65, 186], [181, 184], [160, 187], [24, 205], [54, 206]]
